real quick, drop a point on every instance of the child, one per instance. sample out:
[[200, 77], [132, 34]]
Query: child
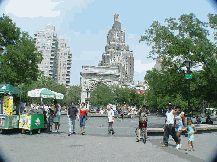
[[191, 131], [50, 119]]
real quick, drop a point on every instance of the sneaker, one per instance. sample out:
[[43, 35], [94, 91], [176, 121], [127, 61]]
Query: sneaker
[[54, 130], [180, 146], [137, 139], [177, 146], [73, 133], [69, 134], [113, 133], [164, 145]]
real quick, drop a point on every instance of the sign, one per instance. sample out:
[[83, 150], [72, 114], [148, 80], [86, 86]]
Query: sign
[[25, 121], [7, 105], [188, 76], [2, 121], [37, 122]]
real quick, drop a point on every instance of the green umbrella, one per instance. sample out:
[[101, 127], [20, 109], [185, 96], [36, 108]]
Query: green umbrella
[[45, 93], [8, 88]]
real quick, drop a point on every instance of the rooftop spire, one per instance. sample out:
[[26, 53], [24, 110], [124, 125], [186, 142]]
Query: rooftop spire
[[116, 18]]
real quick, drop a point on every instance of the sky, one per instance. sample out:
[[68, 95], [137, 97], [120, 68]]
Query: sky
[[85, 24]]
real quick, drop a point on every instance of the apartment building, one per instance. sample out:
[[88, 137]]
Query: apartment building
[[57, 59]]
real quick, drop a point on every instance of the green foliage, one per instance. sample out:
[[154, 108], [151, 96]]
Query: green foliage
[[20, 58], [180, 39], [73, 93], [103, 95]]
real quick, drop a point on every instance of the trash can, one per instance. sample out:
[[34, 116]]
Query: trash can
[[28, 123], [8, 122]]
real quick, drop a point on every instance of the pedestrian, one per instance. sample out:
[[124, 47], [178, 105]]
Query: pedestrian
[[50, 120], [157, 113], [82, 117], [110, 120], [122, 115], [179, 125], [143, 119], [169, 126], [56, 119], [72, 112], [191, 131]]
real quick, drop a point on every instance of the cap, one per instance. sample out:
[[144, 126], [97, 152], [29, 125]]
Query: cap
[[170, 104]]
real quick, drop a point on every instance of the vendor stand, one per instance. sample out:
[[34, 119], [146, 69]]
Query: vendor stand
[[8, 120], [34, 120]]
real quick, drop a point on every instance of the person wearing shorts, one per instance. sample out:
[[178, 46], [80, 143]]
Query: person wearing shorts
[[179, 120], [56, 119]]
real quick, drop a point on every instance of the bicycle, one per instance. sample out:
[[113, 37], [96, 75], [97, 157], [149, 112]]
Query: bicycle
[[143, 132]]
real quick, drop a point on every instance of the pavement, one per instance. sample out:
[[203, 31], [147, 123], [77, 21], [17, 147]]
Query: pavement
[[97, 145]]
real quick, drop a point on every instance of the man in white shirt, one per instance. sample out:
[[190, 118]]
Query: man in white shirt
[[110, 120], [169, 126]]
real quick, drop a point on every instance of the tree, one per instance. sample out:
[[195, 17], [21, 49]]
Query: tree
[[181, 39], [73, 94], [20, 57], [101, 96]]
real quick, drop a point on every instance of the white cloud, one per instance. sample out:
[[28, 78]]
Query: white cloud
[[139, 67], [42, 8], [32, 8]]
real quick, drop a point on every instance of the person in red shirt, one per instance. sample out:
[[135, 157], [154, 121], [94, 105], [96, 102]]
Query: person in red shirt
[[82, 116]]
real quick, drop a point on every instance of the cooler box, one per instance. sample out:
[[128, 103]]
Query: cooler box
[[30, 122]]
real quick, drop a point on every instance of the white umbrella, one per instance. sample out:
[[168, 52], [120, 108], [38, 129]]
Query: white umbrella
[[43, 93], [58, 95]]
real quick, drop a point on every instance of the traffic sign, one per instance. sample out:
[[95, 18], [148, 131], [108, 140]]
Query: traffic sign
[[188, 76]]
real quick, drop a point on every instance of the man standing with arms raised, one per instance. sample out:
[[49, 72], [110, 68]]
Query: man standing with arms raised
[[169, 126]]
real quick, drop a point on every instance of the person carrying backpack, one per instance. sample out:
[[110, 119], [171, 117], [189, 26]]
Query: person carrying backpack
[[142, 119]]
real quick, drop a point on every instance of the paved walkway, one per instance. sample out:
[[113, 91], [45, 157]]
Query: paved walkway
[[96, 145]]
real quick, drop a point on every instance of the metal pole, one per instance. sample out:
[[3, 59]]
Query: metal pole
[[189, 97]]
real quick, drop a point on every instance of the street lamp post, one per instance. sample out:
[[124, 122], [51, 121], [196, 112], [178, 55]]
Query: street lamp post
[[188, 66]]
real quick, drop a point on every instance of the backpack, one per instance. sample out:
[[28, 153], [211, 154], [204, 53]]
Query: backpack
[[143, 118]]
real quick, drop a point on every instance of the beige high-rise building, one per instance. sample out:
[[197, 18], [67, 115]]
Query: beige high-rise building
[[57, 59]]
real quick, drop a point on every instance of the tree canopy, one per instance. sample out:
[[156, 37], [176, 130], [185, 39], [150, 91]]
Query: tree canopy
[[185, 38], [19, 58]]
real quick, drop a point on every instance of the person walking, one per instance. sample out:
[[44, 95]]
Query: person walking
[[179, 125], [110, 120], [142, 119], [56, 119], [191, 131], [72, 112], [82, 118], [169, 126]]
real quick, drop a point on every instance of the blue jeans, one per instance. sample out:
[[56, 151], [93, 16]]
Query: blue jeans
[[70, 123], [82, 121]]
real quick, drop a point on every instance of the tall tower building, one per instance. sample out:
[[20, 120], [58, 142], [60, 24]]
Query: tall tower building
[[117, 53], [57, 59]]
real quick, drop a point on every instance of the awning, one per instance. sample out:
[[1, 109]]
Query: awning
[[8, 88]]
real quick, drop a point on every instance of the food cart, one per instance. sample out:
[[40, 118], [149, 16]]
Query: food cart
[[32, 121], [35, 118], [8, 120]]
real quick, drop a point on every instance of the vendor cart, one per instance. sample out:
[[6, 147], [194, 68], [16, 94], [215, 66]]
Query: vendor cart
[[8, 120], [30, 122]]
